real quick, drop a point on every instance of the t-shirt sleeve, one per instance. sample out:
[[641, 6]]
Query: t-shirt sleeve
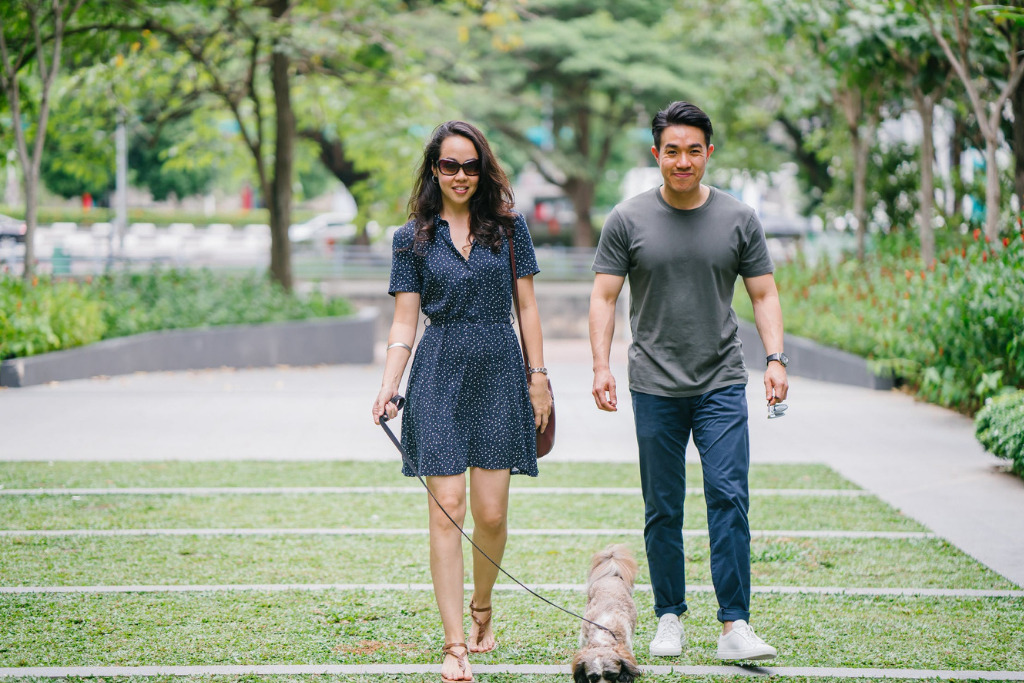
[[612, 255], [755, 259], [526, 257], [406, 273]]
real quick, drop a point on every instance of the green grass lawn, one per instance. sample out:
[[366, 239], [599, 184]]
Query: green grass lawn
[[354, 473], [395, 627], [86, 561], [404, 510], [362, 627], [433, 678]]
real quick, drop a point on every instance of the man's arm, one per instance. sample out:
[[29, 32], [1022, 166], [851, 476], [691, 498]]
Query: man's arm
[[602, 327], [764, 296]]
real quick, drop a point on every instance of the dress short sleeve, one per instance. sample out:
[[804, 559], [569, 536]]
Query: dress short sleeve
[[406, 265], [526, 257]]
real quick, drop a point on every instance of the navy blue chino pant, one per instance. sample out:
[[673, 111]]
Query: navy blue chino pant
[[718, 421]]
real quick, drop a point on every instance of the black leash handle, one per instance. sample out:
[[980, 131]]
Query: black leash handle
[[399, 401]]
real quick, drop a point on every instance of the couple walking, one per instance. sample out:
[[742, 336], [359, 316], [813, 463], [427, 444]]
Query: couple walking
[[470, 405]]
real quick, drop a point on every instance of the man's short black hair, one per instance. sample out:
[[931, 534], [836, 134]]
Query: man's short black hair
[[680, 114]]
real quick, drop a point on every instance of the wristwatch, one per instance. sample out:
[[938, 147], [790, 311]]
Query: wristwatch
[[781, 357]]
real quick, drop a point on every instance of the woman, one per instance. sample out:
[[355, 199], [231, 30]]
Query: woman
[[469, 405]]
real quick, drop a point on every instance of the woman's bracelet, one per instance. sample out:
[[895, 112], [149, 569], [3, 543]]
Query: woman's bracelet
[[402, 345], [542, 371]]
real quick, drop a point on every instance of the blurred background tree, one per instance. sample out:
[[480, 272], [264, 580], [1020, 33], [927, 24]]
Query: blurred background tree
[[286, 96]]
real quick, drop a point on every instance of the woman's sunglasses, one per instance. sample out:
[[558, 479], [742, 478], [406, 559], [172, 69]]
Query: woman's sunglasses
[[451, 167]]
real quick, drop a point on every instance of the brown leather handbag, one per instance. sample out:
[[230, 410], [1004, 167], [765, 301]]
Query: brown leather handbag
[[545, 439]]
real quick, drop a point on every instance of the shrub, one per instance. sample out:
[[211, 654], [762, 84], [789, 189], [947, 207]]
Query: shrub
[[999, 427], [47, 315], [47, 215], [954, 331]]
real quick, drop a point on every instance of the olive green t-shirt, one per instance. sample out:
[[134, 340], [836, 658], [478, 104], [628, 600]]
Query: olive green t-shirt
[[682, 267]]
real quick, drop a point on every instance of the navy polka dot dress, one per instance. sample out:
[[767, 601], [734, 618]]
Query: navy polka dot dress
[[467, 401]]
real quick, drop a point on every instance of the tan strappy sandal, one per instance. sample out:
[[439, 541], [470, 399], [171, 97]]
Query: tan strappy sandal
[[463, 660], [480, 624]]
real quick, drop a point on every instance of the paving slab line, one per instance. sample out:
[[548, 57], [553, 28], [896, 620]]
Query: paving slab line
[[360, 490], [762, 533], [575, 587], [519, 669]]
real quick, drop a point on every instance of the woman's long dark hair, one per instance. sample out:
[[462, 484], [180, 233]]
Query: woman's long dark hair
[[490, 207]]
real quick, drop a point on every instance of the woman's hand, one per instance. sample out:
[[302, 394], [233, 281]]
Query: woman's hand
[[540, 398], [383, 404]]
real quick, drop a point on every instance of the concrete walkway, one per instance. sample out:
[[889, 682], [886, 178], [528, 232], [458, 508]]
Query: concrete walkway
[[921, 459]]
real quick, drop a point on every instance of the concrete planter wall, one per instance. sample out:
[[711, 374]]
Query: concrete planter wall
[[304, 342], [813, 361]]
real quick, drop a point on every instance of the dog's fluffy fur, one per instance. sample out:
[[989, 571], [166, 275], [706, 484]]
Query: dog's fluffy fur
[[603, 655]]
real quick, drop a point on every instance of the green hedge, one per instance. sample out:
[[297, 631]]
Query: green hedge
[[954, 332], [50, 315], [999, 427], [46, 315], [48, 215]]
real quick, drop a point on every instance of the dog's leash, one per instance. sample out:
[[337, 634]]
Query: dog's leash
[[399, 401]]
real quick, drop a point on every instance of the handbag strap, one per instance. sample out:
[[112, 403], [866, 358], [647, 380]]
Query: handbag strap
[[519, 317]]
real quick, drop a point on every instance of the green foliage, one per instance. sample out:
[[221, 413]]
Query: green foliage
[[954, 331], [999, 427], [46, 315], [158, 217], [79, 156], [49, 315], [154, 166], [172, 299]]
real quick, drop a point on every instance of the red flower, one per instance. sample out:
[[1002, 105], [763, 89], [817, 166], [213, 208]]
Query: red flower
[[908, 274], [1006, 241], [977, 234], [984, 257], [963, 252], [922, 274]]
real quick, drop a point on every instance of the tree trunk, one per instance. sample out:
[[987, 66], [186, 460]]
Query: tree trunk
[[581, 192], [1018, 143], [926, 108], [991, 190], [860, 181], [280, 200], [956, 155], [815, 169], [334, 158], [30, 164], [30, 188]]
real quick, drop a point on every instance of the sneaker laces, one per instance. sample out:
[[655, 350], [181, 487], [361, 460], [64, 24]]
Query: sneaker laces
[[669, 630], [746, 631]]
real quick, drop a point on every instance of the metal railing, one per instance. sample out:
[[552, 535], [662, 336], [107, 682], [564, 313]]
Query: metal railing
[[374, 262], [341, 262]]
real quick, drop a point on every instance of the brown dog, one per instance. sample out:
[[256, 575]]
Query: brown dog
[[603, 655]]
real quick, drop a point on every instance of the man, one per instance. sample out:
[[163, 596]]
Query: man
[[682, 246]]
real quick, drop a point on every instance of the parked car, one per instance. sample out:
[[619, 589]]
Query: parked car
[[325, 230], [12, 230]]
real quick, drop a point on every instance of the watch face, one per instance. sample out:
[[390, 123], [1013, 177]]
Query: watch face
[[784, 359]]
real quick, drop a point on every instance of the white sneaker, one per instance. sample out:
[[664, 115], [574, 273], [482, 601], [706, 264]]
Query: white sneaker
[[742, 643], [668, 641]]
